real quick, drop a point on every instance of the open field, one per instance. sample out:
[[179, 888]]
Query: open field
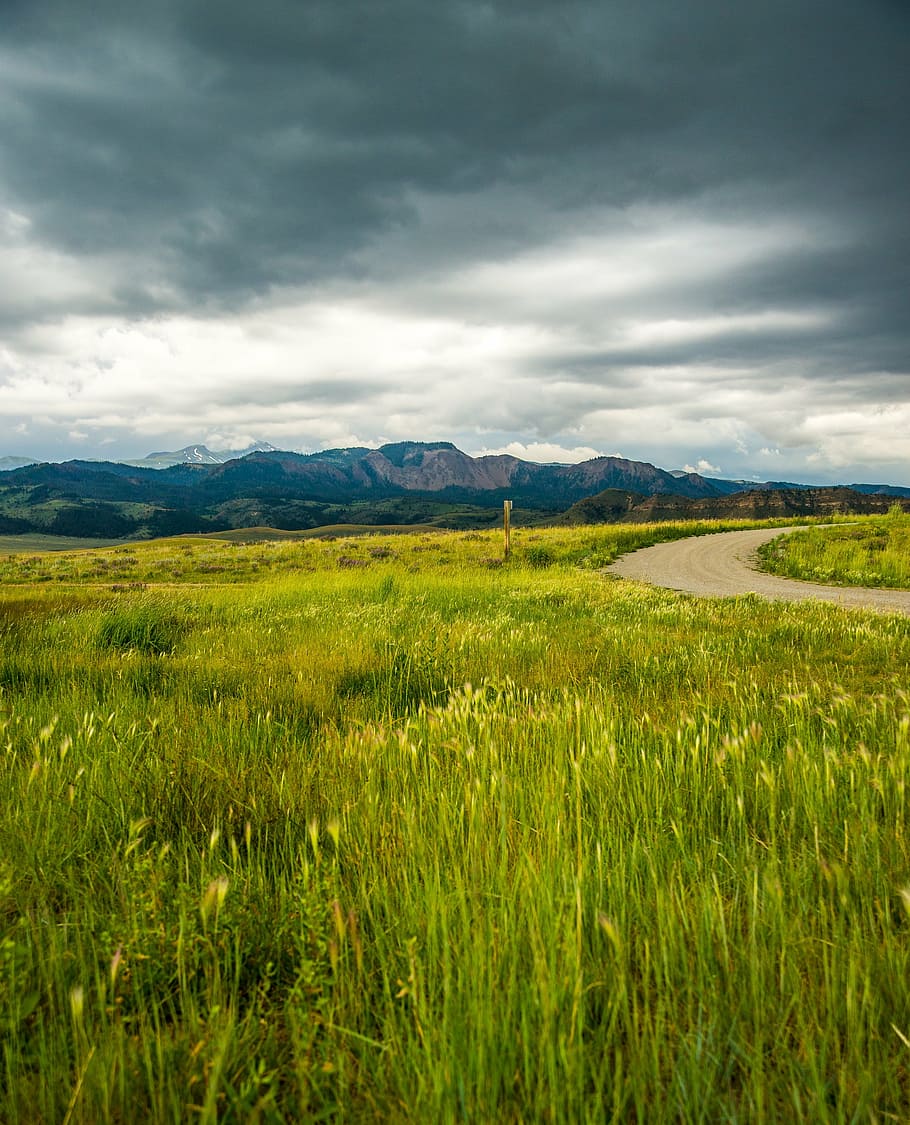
[[382, 829], [868, 551], [262, 534], [254, 553], [29, 544]]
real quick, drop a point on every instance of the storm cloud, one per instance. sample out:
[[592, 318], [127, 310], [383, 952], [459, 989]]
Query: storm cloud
[[678, 232]]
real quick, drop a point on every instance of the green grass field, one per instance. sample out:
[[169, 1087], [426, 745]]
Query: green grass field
[[382, 829], [867, 551], [33, 544]]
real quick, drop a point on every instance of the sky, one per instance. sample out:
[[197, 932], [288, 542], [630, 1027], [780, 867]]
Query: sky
[[673, 230]]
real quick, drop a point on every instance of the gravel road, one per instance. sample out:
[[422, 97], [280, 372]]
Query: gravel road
[[724, 564]]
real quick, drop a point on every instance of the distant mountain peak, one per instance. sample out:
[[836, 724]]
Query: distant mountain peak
[[7, 464], [254, 447], [199, 455], [190, 454]]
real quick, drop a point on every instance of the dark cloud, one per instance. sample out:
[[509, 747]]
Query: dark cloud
[[251, 145], [321, 392], [180, 157]]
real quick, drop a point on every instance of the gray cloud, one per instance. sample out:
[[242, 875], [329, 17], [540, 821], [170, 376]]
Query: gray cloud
[[323, 392], [264, 145], [444, 162]]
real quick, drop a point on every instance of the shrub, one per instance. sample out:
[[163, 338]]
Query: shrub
[[539, 556], [145, 626]]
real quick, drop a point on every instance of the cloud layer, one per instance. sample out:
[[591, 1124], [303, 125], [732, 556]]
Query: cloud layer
[[679, 232]]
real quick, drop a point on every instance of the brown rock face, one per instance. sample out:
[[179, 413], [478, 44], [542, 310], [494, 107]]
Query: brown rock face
[[432, 470], [751, 505]]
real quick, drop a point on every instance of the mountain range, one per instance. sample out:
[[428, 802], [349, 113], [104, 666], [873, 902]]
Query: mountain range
[[189, 455], [402, 482], [616, 506]]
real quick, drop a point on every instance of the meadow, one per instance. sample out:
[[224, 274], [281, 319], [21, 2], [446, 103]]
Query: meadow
[[866, 551], [388, 829]]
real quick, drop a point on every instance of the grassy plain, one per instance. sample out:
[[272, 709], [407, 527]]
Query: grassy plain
[[33, 544], [383, 829], [867, 551]]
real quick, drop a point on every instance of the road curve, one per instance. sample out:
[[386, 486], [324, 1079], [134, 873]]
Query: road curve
[[724, 564]]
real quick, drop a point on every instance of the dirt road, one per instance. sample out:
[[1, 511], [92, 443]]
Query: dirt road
[[724, 564]]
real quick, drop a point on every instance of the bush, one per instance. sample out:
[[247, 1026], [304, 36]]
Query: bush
[[146, 626], [539, 556]]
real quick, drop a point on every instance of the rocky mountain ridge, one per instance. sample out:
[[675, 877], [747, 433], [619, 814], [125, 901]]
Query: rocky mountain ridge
[[612, 506], [403, 482]]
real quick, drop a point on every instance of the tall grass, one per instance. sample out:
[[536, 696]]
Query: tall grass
[[455, 843], [871, 552], [182, 560]]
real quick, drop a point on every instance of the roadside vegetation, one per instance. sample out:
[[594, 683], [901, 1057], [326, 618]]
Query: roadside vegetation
[[387, 829], [868, 551]]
